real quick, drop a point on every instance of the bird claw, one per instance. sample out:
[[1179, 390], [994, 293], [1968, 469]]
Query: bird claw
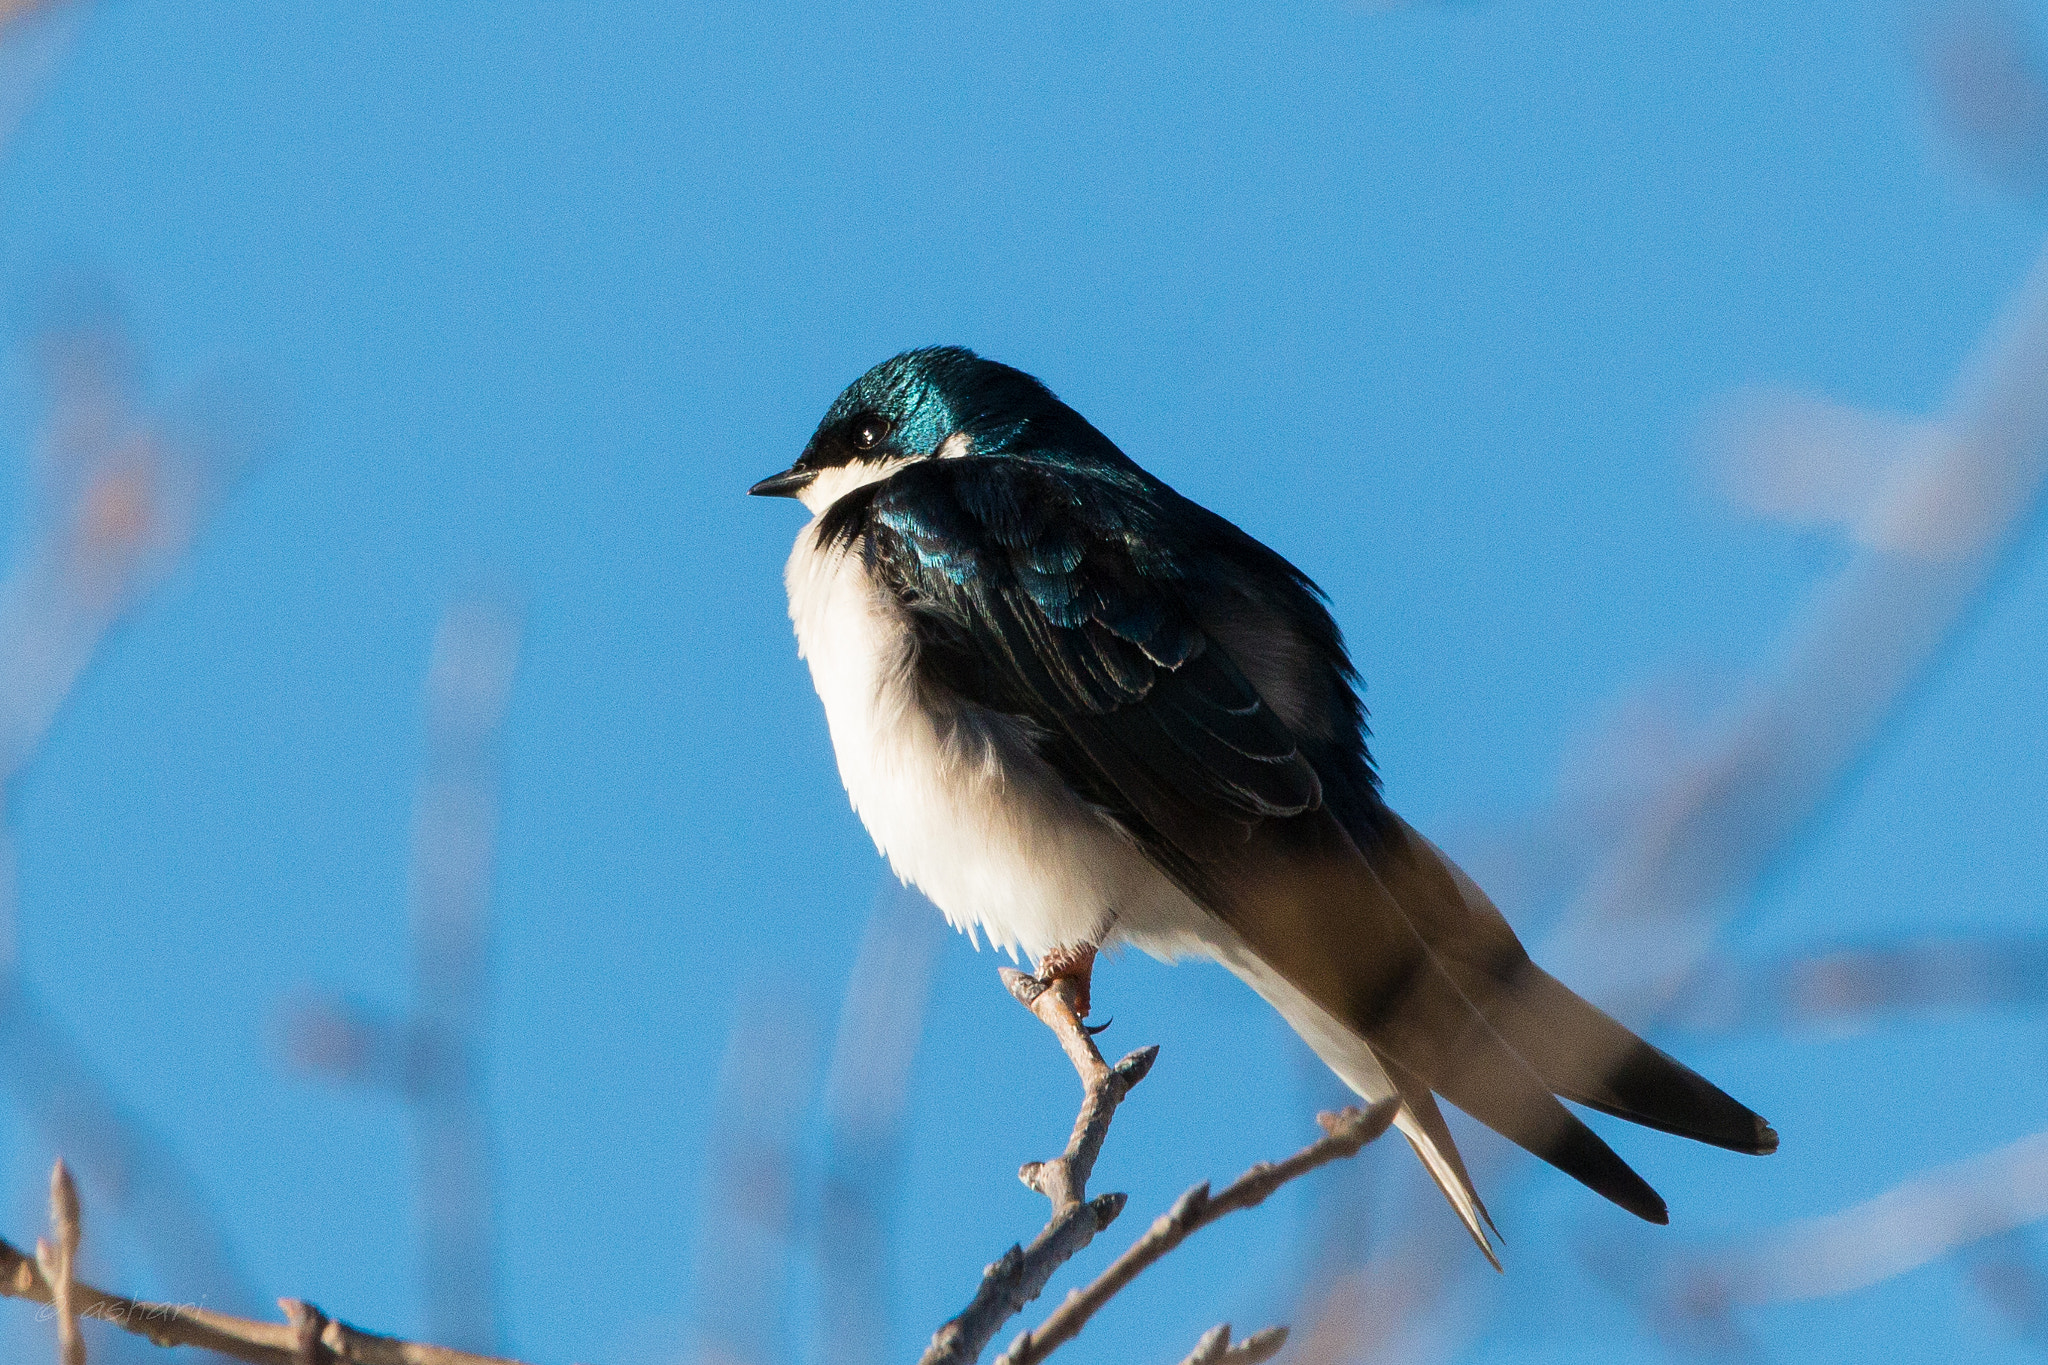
[[1074, 964]]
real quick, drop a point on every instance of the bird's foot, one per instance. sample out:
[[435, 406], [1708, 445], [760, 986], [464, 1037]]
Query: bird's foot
[[1072, 968]]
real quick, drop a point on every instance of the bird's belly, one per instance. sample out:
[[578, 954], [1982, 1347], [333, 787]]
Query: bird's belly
[[956, 796]]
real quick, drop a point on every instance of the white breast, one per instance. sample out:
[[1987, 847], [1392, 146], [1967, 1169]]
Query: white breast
[[957, 797]]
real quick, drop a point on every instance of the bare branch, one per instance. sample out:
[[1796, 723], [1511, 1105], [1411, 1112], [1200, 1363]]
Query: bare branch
[[1021, 1273], [1344, 1135], [258, 1343]]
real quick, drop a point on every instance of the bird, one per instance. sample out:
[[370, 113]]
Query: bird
[[1080, 711]]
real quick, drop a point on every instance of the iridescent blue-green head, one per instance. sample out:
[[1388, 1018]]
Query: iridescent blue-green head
[[943, 402]]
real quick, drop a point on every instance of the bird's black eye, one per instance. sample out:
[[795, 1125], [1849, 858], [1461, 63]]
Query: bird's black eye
[[869, 432]]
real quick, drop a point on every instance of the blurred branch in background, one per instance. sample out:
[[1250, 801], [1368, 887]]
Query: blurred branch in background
[[1931, 508], [1652, 860], [1849, 989], [34, 37], [2005, 1271], [747, 1240], [1934, 507], [867, 1092], [433, 1058], [1983, 81], [116, 498], [1946, 502], [455, 829], [1977, 1204]]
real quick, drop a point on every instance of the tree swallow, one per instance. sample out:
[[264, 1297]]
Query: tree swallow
[[1075, 709]]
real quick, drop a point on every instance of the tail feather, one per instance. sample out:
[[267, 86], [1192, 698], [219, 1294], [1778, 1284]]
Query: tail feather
[[1314, 912], [1374, 1078], [1422, 1123], [1589, 1058], [1402, 975], [1501, 1092], [1579, 1051]]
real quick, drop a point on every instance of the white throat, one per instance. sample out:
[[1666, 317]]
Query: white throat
[[832, 484]]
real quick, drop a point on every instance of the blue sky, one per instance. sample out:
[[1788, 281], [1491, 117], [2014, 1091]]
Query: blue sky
[[1431, 299]]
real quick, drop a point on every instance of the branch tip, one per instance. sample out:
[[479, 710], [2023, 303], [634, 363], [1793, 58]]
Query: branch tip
[[59, 1263], [1215, 1349], [1106, 1207], [1358, 1126], [1137, 1066], [64, 1215], [230, 1338], [1006, 1265], [1024, 986], [1262, 1345], [307, 1324]]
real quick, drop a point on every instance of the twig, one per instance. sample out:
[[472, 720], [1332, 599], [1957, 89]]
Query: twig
[[258, 1343], [307, 1323], [60, 1263], [1344, 1135], [1020, 1274], [1215, 1349]]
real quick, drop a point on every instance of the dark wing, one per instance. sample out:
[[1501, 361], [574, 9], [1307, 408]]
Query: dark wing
[[1071, 599], [1057, 596]]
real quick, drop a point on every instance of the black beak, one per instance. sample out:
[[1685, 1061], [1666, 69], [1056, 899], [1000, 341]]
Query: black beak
[[787, 484]]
